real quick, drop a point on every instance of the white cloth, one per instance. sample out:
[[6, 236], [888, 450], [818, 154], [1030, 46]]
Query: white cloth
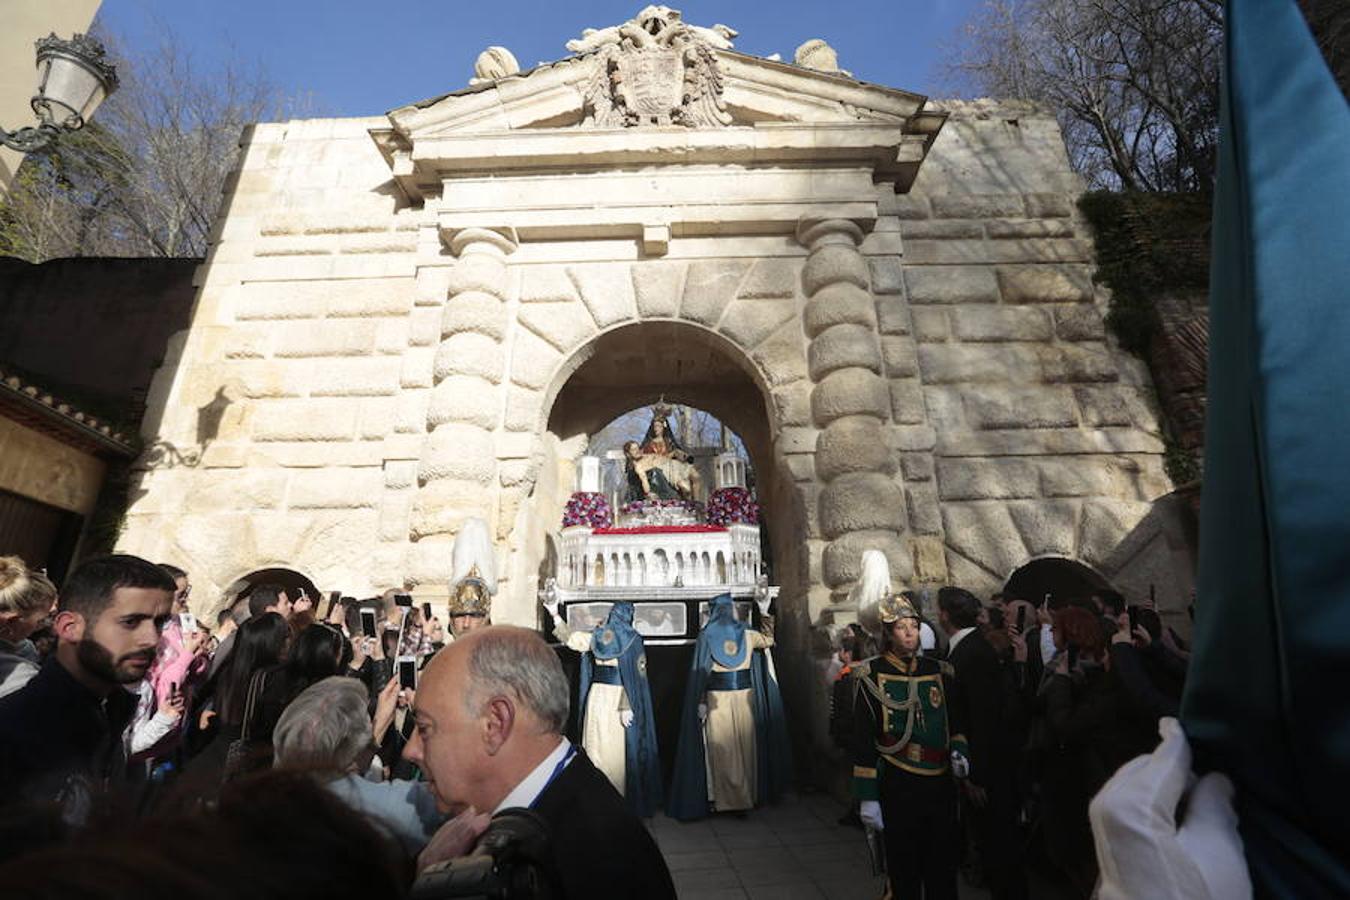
[[1047, 645], [1145, 852], [870, 813], [16, 670], [532, 785], [731, 737], [957, 638], [927, 637], [602, 729]]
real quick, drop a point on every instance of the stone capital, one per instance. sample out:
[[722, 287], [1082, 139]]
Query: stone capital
[[813, 233], [496, 241]]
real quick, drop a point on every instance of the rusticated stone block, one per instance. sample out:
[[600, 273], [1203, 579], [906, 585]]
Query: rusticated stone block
[[370, 297], [469, 353], [907, 403], [478, 312], [930, 562], [709, 286], [903, 206], [782, 358], [841, 563], [984, 534], [411, 414], [564, 325], [840, 347], [992, 407], [747, 322], [1070, 363], [977, 206], [1000, 323], [1105, 524], [400, 474], [916, 467], [281, 300], [304, 420], [832, 264], [793, 403], [1000, 229], [853, 444], [951, 284], [849, 392], [440, 508], [901, 357], [546, 284], [893, 315], [607, 291], [460, 452], [533, 360], [395, 513], [1103, 407], [770, 279], [341, 337], [465, 399], [1049, 205], [1122, 477], [357, 377], [244, 490], [1045, 284], [930, 324], [522, 409], [1048, 527], [1079, 322], [888, 276], [838, 304], [657, 287], [987, 479], [861, 502], [944, 230], [479, 272], [376, 418], [424, 326], [957, 363], [344, 488], [925, 512]]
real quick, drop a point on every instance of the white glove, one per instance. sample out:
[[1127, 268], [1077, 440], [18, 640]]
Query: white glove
[[626, 718], [1142, 850], [870, 812], [552, 609], [703, 712], [764, 606], [961, 766]]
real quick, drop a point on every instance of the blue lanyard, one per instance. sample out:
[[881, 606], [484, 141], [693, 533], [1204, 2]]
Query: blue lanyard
[[557, 770]]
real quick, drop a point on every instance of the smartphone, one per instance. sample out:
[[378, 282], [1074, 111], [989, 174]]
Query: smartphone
[[187, 621], [1134, 617], [407, 672], [368, 622], [1021, 619], [403, 599], [426, 612], [334, 598]]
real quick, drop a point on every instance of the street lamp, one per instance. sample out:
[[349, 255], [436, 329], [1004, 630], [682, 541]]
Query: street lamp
[[73, 79]]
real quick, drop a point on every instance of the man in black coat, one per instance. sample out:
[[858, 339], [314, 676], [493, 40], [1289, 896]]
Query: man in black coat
[[490, 712], [61, 736], [992, 785]]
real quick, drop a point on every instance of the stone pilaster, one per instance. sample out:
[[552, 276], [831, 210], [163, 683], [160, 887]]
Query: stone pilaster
[[861, 505], [458, 468]]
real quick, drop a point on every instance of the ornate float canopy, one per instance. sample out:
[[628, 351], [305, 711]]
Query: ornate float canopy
[[674, 92]]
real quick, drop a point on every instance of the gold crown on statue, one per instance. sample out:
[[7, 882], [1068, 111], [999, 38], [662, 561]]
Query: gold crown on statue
[[894, 607], [662, 409], [470, 596]]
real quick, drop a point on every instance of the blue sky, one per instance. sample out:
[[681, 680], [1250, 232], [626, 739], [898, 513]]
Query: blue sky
[[358, 57]]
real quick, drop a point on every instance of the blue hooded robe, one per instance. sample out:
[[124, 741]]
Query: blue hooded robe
[[617, 639], [723, 641]]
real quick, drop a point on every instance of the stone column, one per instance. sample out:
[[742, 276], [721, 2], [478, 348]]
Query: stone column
[[861, 505], [458, 468]]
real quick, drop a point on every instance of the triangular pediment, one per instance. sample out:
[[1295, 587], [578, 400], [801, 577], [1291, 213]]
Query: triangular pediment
[[654, 74]]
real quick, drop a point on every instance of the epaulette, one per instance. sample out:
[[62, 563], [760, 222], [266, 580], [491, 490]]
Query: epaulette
[[946, 668], [861, 669]]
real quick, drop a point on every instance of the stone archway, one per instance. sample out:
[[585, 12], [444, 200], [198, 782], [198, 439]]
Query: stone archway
[[1054, 575]]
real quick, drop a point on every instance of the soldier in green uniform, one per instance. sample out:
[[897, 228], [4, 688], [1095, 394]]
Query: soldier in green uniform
[[908, 746]]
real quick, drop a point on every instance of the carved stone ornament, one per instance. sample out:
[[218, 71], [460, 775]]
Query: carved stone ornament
[[654, 70]]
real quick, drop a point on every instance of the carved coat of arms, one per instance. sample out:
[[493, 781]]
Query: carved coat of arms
[[655, 70]]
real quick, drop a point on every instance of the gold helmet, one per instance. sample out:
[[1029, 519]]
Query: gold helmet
[[470, 596], [894, 607]]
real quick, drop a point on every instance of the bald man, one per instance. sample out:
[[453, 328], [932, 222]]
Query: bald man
[[490, 713]]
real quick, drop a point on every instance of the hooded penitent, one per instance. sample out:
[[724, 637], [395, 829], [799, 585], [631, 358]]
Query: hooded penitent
[[723, 640], [618, 640]]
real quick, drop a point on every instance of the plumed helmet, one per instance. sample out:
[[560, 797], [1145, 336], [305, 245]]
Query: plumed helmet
[[473, 575]]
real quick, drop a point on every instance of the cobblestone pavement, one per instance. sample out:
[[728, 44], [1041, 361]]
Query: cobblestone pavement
[[792, 851]]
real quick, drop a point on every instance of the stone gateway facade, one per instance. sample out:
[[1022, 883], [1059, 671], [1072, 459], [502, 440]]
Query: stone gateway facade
[[410, 320]]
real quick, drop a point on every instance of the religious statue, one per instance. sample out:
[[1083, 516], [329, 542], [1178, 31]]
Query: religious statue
[[733, 752], [618, 727], [473, 578], [658, 468]]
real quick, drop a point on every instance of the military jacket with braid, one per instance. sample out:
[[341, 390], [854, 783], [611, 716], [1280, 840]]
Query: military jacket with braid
[[908, 713]]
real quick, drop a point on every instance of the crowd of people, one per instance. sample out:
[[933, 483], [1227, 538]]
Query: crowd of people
[[143, 744], [1043, 703]]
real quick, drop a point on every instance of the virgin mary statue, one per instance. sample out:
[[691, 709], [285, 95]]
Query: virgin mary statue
[[658, 468]]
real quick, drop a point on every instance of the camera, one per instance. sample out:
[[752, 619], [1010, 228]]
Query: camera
[[508, 864]]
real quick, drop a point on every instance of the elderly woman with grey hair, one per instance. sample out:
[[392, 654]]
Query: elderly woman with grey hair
[[327, 731]]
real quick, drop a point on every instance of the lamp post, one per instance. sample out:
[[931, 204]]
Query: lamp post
[[74, 77]]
